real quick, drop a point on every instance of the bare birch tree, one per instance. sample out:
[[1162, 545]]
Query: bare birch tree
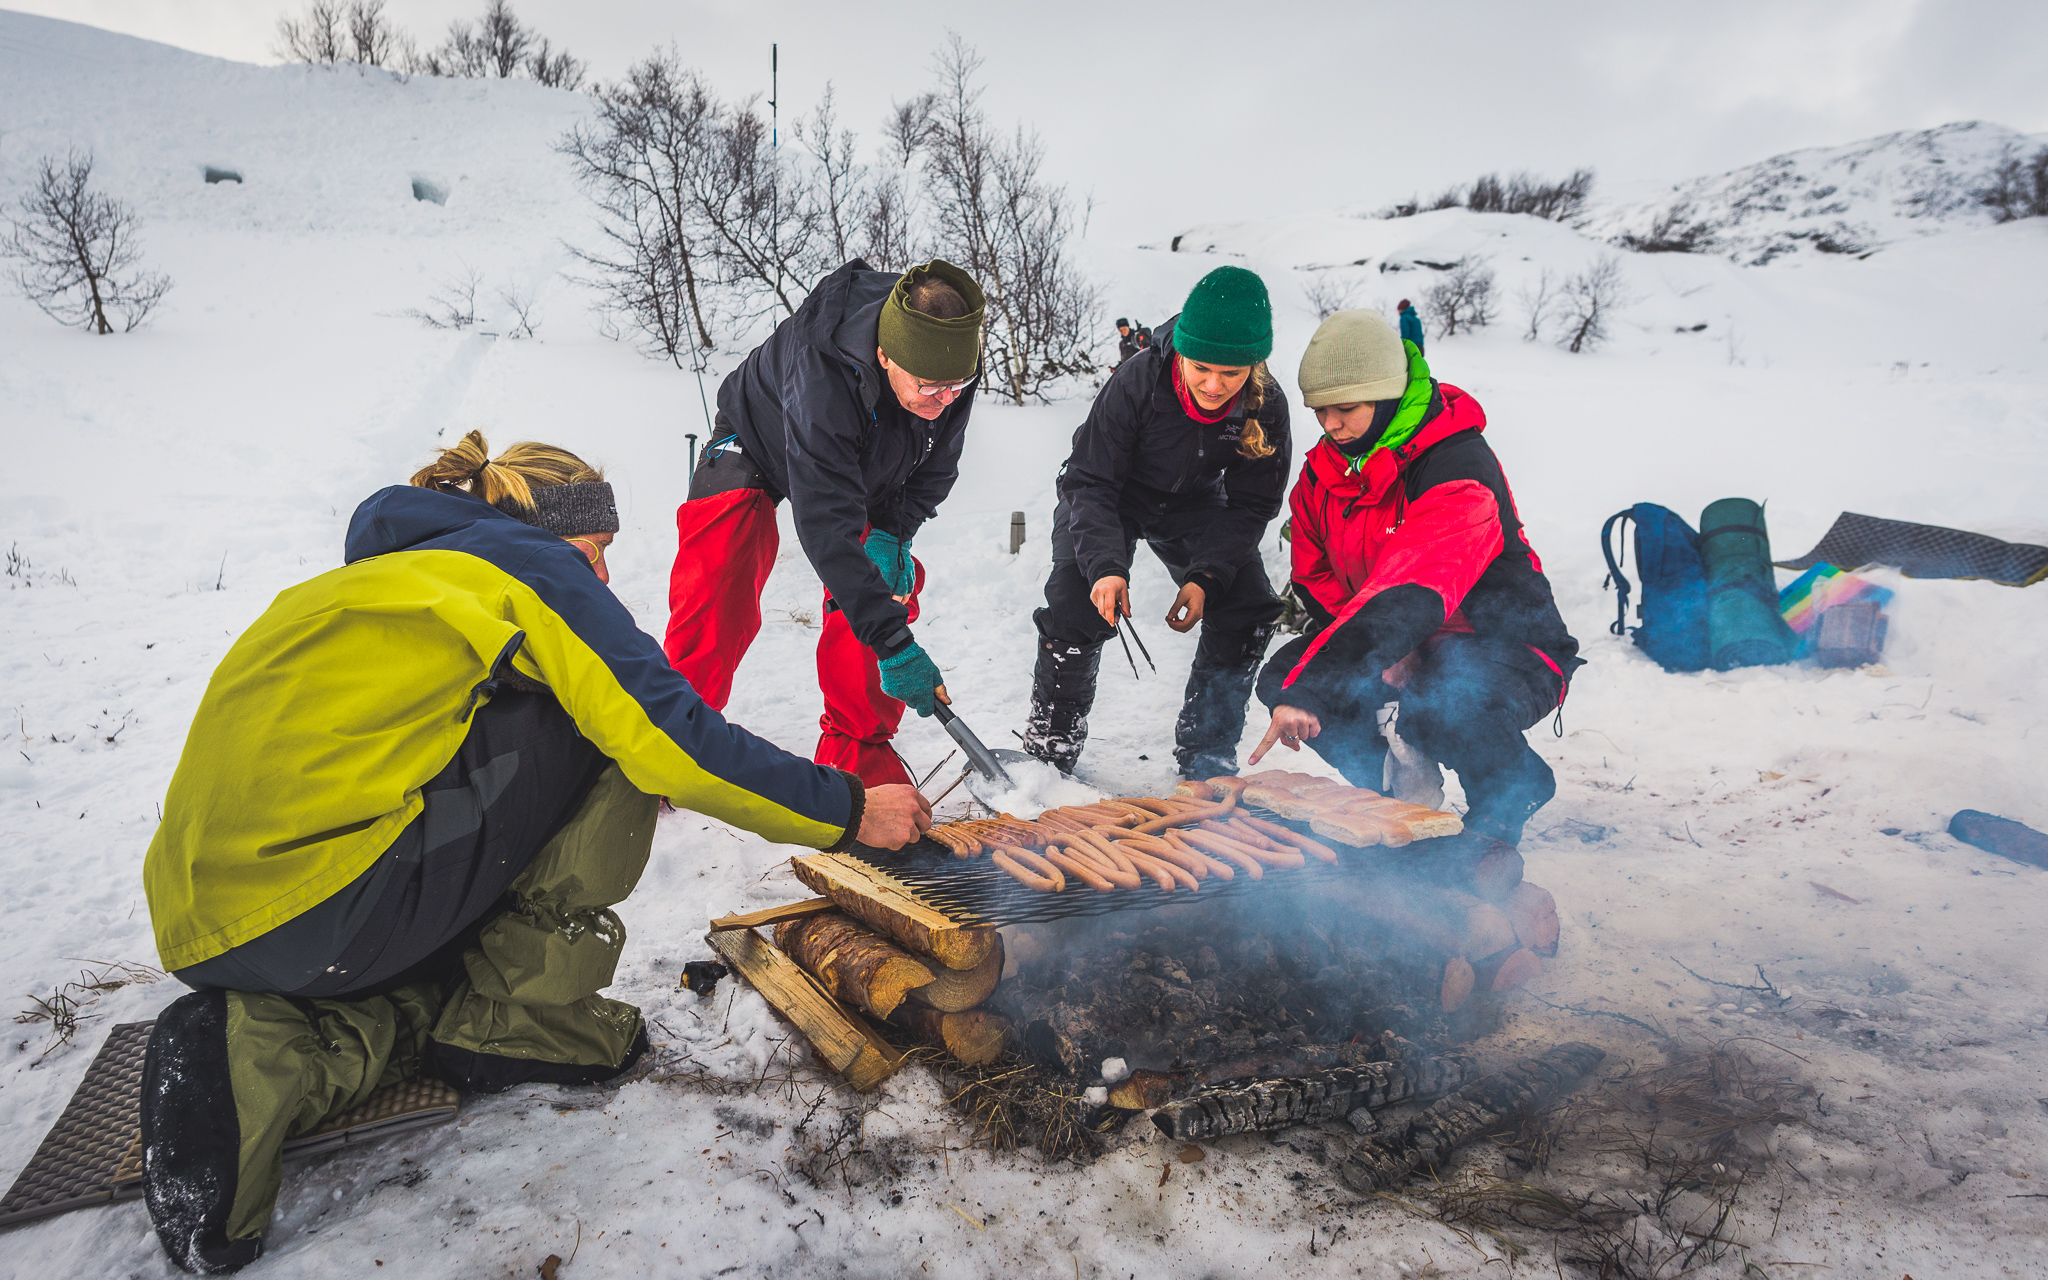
[[75, 251], [1589, 302], [638, 161], [1463, 299], [995, 215]]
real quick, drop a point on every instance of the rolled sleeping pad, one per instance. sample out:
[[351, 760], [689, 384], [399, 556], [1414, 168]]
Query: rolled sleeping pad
[[1744, 627]]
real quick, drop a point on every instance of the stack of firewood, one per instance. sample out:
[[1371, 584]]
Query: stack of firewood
[[916, 991]]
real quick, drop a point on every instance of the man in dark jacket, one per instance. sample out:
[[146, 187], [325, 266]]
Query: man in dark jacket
[[855, 409], [1126, 340], [1420, 583], [1186, 447], [1411, 324]]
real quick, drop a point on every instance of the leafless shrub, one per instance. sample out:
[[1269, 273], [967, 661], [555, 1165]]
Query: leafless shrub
[[888, 218], [498, 46], [75, 251], [520, 310], [1588, 302], [331, 31], [2017, 188], [1558, 201], [453, 304], [1537, 301], [1463, 299], [1672, 231], [993, 214], [1328, 292]]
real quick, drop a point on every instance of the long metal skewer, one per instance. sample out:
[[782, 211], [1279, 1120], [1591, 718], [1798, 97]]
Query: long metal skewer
[[1141, 647], [1127, 653]]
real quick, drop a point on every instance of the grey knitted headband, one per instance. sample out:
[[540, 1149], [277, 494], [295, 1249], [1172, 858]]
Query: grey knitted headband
[[570, 509]]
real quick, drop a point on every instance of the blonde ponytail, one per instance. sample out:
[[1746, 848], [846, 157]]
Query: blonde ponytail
[[508, 481], [1253, 444]]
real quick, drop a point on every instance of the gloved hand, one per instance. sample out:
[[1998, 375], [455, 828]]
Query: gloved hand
[[912, 678], [892, 556]]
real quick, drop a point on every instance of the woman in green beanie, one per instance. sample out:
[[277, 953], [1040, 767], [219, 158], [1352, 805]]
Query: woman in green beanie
[[1186, 447]]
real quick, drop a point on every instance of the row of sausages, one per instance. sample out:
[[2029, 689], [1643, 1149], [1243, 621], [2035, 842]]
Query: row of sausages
[[1176, 843]]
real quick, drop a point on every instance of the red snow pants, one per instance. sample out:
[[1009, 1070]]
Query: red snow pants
[[725, 546]]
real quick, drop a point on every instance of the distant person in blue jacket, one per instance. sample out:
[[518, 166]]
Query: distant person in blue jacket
[[1411, 324]]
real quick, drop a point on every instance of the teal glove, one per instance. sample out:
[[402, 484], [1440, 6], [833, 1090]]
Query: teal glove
[[892, 556], [910, 677]]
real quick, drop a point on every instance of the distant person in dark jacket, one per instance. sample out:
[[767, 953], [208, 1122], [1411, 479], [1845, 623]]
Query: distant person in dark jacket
[[855, 409], [1126, 340], [1185, 447], [1420, 584], [1411, 324]]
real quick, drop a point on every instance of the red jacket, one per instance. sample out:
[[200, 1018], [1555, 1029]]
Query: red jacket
[[1423, 539]]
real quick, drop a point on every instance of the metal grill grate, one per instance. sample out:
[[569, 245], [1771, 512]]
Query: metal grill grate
[[976, 892]]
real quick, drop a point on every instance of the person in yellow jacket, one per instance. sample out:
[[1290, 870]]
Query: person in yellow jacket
[[410, 796]]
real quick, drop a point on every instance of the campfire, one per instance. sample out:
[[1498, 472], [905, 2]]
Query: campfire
[[1245, 955]]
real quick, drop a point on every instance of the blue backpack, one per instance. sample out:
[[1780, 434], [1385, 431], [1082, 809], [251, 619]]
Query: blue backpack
[[1672, 614]]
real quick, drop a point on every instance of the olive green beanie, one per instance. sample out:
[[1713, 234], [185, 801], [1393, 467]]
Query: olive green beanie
[[1228, 319], [1355, 357], [927, 347]]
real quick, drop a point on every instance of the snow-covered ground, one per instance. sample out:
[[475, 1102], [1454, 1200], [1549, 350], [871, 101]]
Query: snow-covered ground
[[161, 487]]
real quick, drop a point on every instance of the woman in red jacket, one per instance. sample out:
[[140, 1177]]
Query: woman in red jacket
[[1420, 583]]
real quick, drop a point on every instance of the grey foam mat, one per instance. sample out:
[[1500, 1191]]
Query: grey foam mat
[[93, 1154]]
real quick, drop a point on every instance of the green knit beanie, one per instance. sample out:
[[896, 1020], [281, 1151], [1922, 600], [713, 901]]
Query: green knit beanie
[[927, 347], [1228, 319]]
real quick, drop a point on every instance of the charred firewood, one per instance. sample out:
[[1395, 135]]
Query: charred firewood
[[1489, 1104], [1325, 1095]]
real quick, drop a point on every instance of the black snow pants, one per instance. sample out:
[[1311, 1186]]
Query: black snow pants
[[1237, 623], [1466, 704]]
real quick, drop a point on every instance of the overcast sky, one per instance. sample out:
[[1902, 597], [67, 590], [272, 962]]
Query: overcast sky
[[1172, 114]]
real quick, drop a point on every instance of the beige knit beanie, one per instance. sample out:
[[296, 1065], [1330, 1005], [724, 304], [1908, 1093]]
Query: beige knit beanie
[[1355, 356]]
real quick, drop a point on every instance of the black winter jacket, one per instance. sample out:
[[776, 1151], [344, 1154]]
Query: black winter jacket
[[1139, 453], [813, 410]]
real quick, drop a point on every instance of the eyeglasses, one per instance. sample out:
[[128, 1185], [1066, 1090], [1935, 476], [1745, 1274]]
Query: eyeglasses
[[941, 388]]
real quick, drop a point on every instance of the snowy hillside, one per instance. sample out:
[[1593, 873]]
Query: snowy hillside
[[1848, 199], [161, 487]]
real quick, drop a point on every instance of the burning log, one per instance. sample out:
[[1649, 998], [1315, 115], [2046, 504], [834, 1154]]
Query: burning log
[[1325, 1095], [1487, 1105], [853, 965], [1143, 1090], [973, 1036], [957, 990], [1533, 912]]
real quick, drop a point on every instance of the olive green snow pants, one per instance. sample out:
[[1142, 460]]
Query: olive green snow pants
[[527, 998]]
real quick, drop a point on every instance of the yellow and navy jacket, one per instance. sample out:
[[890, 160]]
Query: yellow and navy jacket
[[308, 751]]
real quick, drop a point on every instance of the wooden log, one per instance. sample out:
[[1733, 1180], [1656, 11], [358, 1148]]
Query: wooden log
[[1533, 912], [774, 915], [1458, 982], [1264, 1105], [1517, 969], [1489, 1104], [975, 1036], [878, 901], [957, 990], [854, 965], [842, 1041], [1487, 930]]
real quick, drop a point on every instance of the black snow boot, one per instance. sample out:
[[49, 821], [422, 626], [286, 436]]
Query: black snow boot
[[1062, 694], [1212, 710], [191, 1139]]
